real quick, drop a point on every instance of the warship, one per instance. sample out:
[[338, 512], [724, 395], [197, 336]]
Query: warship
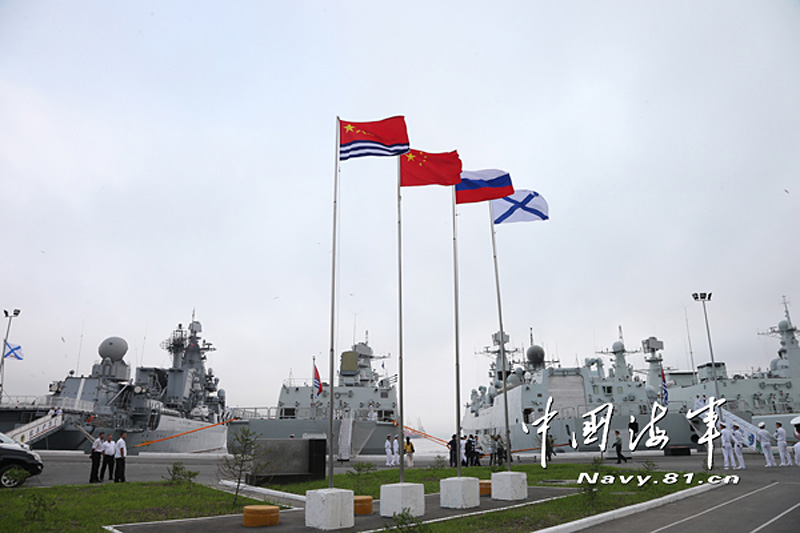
[[575, 392], [364, 413], [769, 395], [175, 409]]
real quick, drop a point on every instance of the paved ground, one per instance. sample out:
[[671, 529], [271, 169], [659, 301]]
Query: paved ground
[[764, 499]]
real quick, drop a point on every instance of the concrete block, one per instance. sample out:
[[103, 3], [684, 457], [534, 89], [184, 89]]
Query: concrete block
[[459, 493], [509, 486], [329, 509], [397, 497]]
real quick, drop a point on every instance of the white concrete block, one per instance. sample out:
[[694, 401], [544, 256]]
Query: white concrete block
[[509, 486], [329, 509], [397, 497], [459, 493]]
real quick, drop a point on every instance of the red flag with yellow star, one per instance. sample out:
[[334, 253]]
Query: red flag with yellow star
[[423, 168], [385, 137]]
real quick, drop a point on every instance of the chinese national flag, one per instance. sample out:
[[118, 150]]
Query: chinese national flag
[[422, 168]]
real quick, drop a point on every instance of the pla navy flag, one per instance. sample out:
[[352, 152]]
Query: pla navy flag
[[522, 206], [482, 185], [664, 391], [317, 382], [13, 351], [386, 137]]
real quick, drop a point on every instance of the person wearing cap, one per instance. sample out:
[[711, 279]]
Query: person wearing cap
[[783, 450], [738, 439], [727, 446], [766, 447]]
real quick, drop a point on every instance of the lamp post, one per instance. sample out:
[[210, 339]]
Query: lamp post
[[704, 297], [9, 316]]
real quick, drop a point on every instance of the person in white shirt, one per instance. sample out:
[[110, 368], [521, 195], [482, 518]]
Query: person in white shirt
[[120, 453], [738, 439], [727, 446], [108, 458], [796, 447], [783, 450], [766, 445], [396, 450], [97, 455], [387, 446]]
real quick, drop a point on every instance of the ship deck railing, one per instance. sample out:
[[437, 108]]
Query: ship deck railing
[[305, 413], [46, 402]]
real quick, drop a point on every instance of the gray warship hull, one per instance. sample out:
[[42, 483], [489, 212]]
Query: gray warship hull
[[176, 409], [364, 408]]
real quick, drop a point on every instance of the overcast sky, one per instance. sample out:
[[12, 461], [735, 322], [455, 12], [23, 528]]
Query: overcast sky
[[159, 158]]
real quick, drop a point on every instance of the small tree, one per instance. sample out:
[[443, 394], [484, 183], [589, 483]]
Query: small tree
[[360, 474], [242, 459], [180, 474]]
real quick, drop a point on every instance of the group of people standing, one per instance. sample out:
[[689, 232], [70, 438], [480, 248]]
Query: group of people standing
[[108, 455], [469, 450], [392, 449]]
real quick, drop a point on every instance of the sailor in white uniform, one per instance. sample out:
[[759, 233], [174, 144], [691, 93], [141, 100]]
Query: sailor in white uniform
[[766, 446], [387, 446], [396, 450], [727, 446], [783, 450], [738, 439], [797, 446]]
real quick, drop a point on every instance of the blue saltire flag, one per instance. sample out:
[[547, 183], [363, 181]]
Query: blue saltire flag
[[522, 206], [13, 351]]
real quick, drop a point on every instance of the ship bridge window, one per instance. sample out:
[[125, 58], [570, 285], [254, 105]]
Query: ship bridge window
[[619, 390], [384, 394], [608, 389], [288, 412]]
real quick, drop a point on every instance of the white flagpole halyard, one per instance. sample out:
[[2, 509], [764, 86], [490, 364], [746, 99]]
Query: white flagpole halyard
[[457, 335], [333, 308], [400, 322], [502, 338]]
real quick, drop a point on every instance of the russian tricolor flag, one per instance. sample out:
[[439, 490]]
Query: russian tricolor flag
[[482, 185]]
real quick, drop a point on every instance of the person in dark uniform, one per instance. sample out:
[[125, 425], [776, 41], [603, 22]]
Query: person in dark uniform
[[453, 447], [120, 453], [97, 455], [618, 446]]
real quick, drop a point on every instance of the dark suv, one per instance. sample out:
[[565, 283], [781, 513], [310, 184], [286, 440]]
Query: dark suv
[[15, 455]]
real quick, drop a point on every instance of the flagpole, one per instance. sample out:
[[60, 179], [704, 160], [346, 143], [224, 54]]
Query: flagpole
[[333, 307], [458, 337], [400, 321], [502, 338]]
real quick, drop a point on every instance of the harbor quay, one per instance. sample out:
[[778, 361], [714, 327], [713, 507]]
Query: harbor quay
[[70, 468]]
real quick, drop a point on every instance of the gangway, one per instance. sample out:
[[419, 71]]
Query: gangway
[[37, 429], [728, 418]]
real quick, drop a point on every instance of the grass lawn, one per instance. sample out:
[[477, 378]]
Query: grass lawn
[[88, 507], [586, 502]]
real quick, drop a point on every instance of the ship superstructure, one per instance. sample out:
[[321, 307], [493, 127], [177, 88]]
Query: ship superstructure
[[161, 406], [365, 407]]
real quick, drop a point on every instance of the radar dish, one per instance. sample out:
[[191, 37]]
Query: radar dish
[[535, 355], [113, 348]]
